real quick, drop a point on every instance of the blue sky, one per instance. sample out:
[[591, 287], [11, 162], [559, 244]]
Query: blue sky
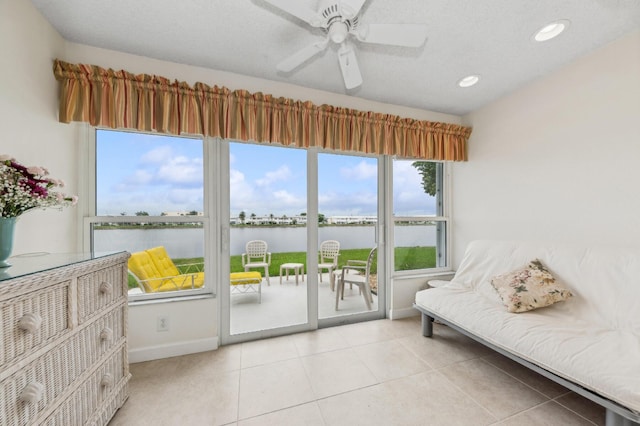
[[153, 173]]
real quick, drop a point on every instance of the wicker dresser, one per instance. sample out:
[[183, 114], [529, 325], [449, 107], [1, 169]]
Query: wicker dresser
[[63, 339]]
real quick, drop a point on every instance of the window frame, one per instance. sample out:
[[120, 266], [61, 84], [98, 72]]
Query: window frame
[[91, 218], [443, 199]]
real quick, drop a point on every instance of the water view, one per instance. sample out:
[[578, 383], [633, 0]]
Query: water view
[[189, 242]]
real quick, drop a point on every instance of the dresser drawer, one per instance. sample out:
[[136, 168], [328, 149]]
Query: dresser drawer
[[100, 337], [29, 391], [32, 389], [90, 394], [99, 289], [32, 320]]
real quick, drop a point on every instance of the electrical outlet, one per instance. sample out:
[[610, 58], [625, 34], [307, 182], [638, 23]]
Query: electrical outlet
[[163, 323]]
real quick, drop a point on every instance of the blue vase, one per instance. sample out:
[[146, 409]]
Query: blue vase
[[7, 226]]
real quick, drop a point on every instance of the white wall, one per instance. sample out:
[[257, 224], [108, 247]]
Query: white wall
[[32, 134], [28, 116], [558, 160]]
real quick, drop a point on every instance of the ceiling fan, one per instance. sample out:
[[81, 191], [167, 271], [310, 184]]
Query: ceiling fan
[[339, 19]]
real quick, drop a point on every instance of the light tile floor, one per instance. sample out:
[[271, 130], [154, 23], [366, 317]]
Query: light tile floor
[[374, 373]]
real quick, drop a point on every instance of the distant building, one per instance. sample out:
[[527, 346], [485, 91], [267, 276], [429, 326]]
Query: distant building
[[182, 213], [351, 220], [302, 220]]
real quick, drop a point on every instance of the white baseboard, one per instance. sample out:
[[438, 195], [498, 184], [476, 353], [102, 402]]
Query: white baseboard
[[395, 314], [174, 349]]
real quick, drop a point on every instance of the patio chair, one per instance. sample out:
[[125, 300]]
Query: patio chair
[[356, 272], [257, 256], [328, 254], [154, 271]]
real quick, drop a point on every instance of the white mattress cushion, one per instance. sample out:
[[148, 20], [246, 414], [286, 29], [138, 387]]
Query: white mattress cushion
[[602, 359]]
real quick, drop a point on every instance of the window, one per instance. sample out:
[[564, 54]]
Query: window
[[419, 216], [149, 195], [149, 200]]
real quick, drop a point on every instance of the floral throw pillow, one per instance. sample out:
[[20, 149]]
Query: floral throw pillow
[[528, 288]]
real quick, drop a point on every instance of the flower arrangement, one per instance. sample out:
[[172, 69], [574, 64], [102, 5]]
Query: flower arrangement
[[26, 188]]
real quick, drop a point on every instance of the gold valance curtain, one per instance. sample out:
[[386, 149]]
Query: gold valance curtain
[[119, 99]]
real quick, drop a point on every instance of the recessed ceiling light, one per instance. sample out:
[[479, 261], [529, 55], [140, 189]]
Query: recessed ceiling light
[[469, 81], [551, 30]]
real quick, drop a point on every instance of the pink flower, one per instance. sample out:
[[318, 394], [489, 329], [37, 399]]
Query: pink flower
[[74, 200], [5, 157], [35, 170]]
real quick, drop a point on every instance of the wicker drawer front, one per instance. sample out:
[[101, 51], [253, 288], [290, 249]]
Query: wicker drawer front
[[29, 391], [32, 320], [99, 338], [90, 394], [98, 290]]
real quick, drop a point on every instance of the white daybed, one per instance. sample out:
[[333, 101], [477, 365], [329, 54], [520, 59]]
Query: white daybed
[[589, 343]]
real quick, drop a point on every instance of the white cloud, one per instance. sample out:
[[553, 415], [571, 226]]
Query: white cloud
[[181, 171], [137, 179], [347, 203], [242, 195], [362, 171], [283, 173], [157, 155], [287, 200]]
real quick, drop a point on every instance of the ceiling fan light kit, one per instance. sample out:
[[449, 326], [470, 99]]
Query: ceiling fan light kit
[[339, 19]]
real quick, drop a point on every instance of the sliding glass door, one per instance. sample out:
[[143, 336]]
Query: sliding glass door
[[348, 206], [284, 205], [267, 238]]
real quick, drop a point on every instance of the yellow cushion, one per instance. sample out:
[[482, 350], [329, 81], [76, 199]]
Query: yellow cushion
[[241, 278], [182, 282], [142, 266], [163, 262]]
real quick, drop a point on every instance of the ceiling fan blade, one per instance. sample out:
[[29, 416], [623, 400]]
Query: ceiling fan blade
[[410, 35], [350, 8], [293, 7], [349, 66], [301, 56]]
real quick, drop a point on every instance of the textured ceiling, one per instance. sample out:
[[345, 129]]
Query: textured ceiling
[[491, 38]]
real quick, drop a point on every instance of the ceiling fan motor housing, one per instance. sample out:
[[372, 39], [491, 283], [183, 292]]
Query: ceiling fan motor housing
[[337, 25]]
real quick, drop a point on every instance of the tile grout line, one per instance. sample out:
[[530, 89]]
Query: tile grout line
[[557, 401], [548, 398], [491, 414], [554, 399]]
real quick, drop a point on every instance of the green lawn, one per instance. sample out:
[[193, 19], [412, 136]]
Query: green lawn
[[406, 258]]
